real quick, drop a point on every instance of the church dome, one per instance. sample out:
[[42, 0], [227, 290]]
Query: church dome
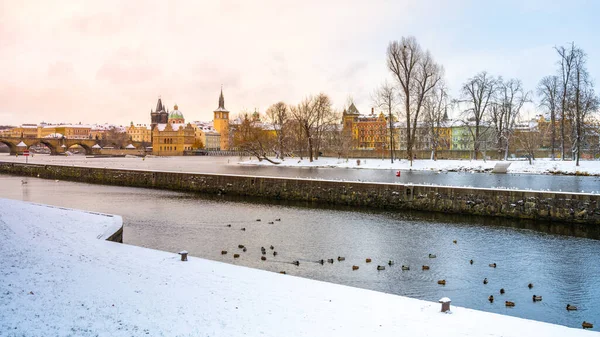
[[175, 114]]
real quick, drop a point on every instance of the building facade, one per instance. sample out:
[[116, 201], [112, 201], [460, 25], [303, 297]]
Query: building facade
[[221, 124]]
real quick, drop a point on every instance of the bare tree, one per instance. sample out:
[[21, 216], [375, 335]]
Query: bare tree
[[435, 109], [530, 141], [250, 137], [506, 110], [549, 92], [567, 57], [311, 116], [386, 98], [584, 99], [478, 94], [417, 74], [278, 115], [325, 117]]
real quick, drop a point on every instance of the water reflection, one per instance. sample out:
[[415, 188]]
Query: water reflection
[[563, 269]]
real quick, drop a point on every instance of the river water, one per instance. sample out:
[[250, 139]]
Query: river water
[[563, 269], [228, 165]]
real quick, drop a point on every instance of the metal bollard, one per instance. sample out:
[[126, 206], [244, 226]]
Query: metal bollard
[[183, 254], [445, 304]]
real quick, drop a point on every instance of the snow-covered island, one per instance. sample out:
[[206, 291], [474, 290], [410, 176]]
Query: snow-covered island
[[60, 277], [540, 166]]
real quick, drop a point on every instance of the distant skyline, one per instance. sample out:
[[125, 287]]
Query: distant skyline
[[109, 61]]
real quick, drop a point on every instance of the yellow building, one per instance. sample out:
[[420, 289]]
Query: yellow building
[[172, 139], [368, 131], [221, 123], [69, 131], [139, 133]]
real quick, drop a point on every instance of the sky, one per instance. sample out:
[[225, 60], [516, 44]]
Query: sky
[[109, 61]]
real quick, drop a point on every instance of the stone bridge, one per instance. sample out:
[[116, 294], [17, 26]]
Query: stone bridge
[[56, 145]]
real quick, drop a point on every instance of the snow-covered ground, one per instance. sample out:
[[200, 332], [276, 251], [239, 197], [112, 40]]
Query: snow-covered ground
[[59, 277], [540, 166]]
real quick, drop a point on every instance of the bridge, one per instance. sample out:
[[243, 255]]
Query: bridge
[[56, 145]]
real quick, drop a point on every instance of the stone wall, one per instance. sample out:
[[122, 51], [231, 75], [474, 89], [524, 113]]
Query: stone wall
[[555, 206]]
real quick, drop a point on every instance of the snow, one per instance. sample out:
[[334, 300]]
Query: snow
[[130, 146], [21, 144], [540, 166], [59, 277], [97, 146]]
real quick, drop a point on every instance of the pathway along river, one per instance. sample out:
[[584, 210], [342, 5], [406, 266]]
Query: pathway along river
[[563, 269], [228, 165]]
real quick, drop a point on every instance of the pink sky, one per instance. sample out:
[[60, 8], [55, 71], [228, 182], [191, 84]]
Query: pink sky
[[108, 61]]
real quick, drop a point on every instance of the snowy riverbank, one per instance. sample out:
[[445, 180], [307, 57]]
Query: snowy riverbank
[[59, 277], [540, 166]]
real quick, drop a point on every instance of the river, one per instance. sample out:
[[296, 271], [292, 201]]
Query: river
[[563, 269], [228, 165]]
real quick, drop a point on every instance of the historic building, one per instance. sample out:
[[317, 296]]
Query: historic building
[[160, 116], [221, 123], [368, 131], [169, 134], [139, 133]]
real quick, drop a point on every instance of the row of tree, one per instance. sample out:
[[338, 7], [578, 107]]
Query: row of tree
[[489, 106]]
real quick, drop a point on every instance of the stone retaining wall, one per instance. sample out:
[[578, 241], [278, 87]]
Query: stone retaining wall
[[555, 206]]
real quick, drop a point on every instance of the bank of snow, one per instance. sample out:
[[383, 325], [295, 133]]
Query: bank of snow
[[540, 166], [59, 277]]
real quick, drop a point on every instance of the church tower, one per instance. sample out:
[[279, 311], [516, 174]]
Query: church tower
[[221, 122]]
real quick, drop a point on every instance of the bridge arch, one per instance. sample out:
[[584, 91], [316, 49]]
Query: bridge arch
[[11, 146], [49, 144], [88, 149]]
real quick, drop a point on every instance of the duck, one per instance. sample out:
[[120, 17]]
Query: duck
[[509, 304], [368, 260], [297, 263], [263, 258], [243, 228], [530, 285], [405, 267], [571, 307], [491, 298], [493, 265], [390, 263], [235, 256], [587, 325], [282, 272], [354, 267], [380, 268], [454, 241], [257, 219], [274, 253], [223, 252], [432, 256], [501, 290], [536, 298], [270, 222], [23, 182], [272, 247], [485, 281], [341, 258], [425, 267], [278, 219], [262, 248], [264, 252], [442, 282], [229, 225], [244, 249], [321, 261], [241, 246], [330, 260]]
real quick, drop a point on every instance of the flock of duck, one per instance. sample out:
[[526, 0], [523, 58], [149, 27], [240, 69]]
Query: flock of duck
[[535, 298]]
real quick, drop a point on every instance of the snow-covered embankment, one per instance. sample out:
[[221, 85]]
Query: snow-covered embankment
[[60, 277]]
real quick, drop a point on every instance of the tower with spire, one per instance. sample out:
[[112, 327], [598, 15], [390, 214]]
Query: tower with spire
[[221, 122]]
